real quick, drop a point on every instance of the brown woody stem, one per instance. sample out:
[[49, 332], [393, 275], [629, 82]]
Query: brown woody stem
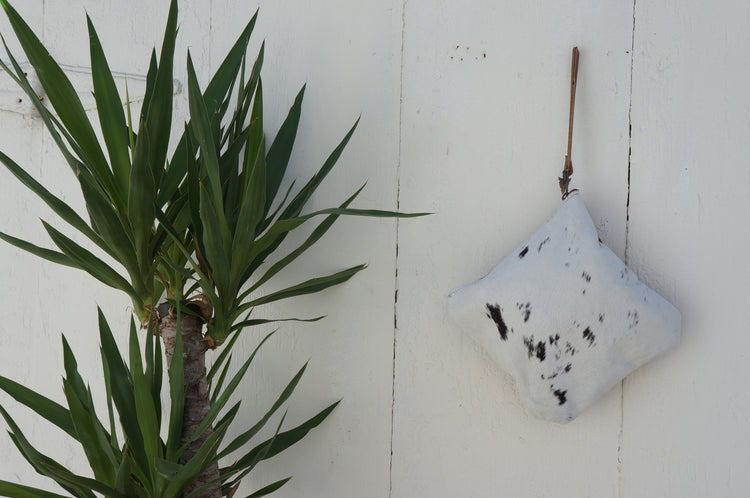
[[197, 400]]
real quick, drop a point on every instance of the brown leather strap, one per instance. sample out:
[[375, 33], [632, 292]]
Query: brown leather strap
[[568, 167]]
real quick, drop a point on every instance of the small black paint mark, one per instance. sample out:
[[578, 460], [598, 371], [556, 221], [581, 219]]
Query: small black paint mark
[[569, 349], [583, 292], [541, 351], [525, 310], [539, 249], [567, 265], [633, 317], [530, 347], [484, 55], [586, 277], [497, 317], [523, 253], [568, 367], [561, 396], [553, 339], [601, 318], [589, 336]]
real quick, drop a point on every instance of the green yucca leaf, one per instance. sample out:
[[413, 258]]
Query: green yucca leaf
[[220, 381], [214, 94], [93, 265], [44, 407], [159, 115], [60, 208], [260, 453], [153, 66], [246, 436], [154, 371], [316, 234], [281, 149], [215, 251], [250, 215], [141, 209], [40, 462], [200, 123], [18, 491], [260, 321], [123, 482], [110, 110], [71, 370], [176, 393], [63, 98], [83, 483], [296, 205], [285, 439], [48, 254], [220, 359], [267, 490], [144, 402], [110, 406], [95, 444], [307, 287], [166, 468], [197, 464], [107, 222], [245, 94], [122, 393], [230, 414], [299, 201], [200, 277]]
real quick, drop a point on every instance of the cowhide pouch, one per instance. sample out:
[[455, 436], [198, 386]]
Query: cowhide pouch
[[564, 316]]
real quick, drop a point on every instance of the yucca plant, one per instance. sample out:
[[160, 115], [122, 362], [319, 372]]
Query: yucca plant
[[145, 465], [198, 223]]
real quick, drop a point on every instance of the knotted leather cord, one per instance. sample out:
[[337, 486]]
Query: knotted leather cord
[[568, 167]]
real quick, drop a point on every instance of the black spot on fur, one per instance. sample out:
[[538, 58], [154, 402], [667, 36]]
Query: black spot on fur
[[553, 339], [586, 277], [530, 346], [497, 317], [589, 336], [523, 253], [539, 249], [561, 398], [569, 349], [525, 310], [568, 367], [541, 351], [601, 318], [633, 318]]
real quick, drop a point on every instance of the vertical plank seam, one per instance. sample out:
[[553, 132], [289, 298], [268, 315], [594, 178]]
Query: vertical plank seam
[[621, 432], [398, 226]]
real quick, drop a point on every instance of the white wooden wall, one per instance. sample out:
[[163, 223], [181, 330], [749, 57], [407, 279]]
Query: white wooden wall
[[464, 114]]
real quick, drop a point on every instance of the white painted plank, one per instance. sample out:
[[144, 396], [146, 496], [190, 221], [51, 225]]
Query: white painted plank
[[686, 416], [484, 126], [348, 54]]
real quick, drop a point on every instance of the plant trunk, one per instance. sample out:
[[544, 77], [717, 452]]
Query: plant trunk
[[197, 400]]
